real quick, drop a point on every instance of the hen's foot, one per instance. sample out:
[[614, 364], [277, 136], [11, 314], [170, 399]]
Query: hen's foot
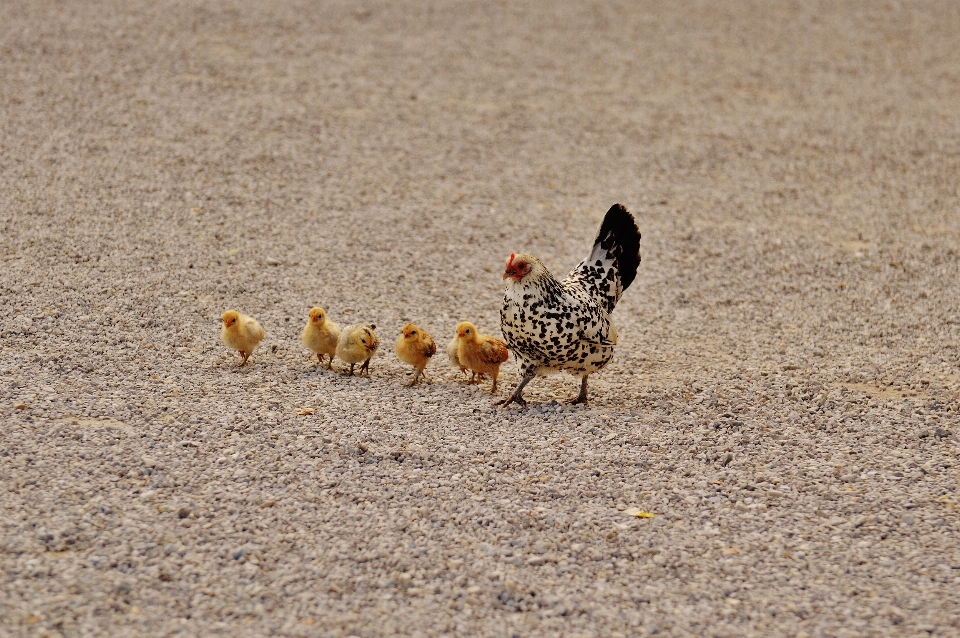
[[582, 397]]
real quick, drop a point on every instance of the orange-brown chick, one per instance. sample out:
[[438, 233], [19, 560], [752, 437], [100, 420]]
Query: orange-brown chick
[[321, 335], [452, 352], [415, 347], [241, 333], [481, 354]]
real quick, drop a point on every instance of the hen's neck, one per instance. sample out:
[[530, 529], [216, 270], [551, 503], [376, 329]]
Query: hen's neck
[[536, 286]]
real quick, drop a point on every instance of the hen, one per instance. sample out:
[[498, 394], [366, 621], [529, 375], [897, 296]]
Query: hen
[[555, 326]]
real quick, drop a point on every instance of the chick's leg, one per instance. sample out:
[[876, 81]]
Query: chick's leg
[[351, 369], [413, 381], [517, 396], [477, 377], [365, 368], [245, 355], [582, 397], [320, 358]]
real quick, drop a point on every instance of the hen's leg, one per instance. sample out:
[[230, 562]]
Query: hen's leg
[[582, 397], [517, 396]]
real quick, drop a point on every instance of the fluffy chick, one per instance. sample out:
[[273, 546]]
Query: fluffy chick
[[357, 344], [320, 335], [241, 333], [452, 349], [481, 354], [415, 347]]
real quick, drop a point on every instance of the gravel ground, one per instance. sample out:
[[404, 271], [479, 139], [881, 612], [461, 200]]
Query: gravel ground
[[785, 394]]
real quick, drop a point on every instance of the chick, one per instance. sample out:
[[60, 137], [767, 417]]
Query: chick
[[452, 348], [358, 343], [481, 354], [320, 335], [415, 347], [241, 333]]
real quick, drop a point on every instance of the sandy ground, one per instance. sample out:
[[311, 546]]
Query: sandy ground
[[785, 394]]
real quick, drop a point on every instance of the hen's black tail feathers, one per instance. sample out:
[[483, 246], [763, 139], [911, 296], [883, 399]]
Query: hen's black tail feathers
[[620, 238]]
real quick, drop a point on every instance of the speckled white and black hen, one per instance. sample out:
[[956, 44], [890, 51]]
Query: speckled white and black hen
[[564, 325]]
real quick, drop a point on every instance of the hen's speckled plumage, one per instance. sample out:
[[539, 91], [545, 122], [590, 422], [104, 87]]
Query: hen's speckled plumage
[[564, 325]]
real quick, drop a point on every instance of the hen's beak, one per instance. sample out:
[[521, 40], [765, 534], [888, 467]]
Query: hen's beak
[[507, 275]]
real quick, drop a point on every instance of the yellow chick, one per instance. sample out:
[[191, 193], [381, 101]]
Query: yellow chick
[[415, 347], [358, 343], [452, 348], [481, 354], [320, 335], [241, 333]]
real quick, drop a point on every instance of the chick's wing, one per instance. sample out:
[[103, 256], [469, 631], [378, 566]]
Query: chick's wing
[[493, 351], [428, 347]]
